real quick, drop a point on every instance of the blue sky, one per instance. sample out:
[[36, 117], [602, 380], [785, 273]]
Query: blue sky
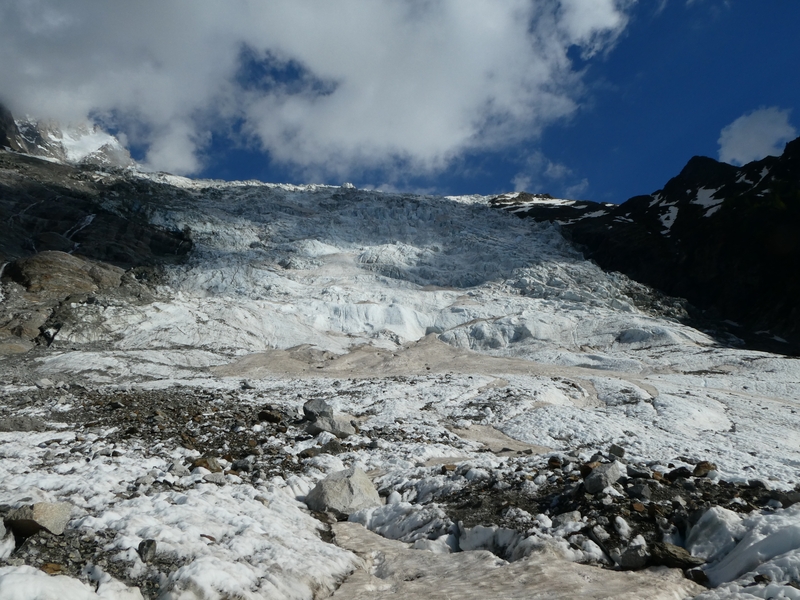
[[594, 99]]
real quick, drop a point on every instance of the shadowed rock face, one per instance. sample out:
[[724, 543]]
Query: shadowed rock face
[[71, 232], [724, 237], [48, 206]]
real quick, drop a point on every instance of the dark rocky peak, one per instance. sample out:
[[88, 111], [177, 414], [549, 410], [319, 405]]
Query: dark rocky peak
[[9, 134], [726, 238]]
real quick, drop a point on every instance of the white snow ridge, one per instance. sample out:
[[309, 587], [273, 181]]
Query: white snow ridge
[[477, 369]]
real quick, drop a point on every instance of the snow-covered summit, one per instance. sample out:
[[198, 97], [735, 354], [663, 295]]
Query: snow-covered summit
[[75, 143]]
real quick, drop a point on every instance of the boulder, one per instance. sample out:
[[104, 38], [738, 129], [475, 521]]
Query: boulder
[[703, 468], [338, 425], [316, 408], [27, 520], [634, 557], [672, 556], [602, 476], [343, 493], [22, 423], [639, 490]]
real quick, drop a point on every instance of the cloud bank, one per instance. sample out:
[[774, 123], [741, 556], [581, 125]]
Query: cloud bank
[[757, 134], [331, 88]]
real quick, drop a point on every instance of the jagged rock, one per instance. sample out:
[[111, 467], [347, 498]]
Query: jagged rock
[[343, 493], [640, 491], [616, 450], [338, 425], [22, 423], [316, 408], [672, 556], [637, 472], [680, 472], [703, 468], [147, 550], [634, 557], [27, 520], [602, 476]]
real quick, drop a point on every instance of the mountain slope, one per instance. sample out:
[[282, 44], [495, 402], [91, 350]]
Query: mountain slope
[[724, 237]]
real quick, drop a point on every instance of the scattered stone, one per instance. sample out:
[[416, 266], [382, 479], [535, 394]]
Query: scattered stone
[[179, 470], [216, 478], [616, 450], [640, 491], [332, 447], [242, 465], [208, 462], [270, 415], [22, 423], [698, 576], [675, 474], [587, 468], [602, 476], [44, 383], [554, 462], [343, 493], [52, 568], [567, 517], [761, 578], [147, 550], [310, 452], [672, 556], [27, 520], [703, 468]]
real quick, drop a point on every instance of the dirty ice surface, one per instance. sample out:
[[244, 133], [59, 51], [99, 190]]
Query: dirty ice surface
[[438, 313]]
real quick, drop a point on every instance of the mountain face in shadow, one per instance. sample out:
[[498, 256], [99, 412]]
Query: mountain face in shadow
[[723, 237]]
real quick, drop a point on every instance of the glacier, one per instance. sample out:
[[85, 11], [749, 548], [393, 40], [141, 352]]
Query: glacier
[[458, 327]]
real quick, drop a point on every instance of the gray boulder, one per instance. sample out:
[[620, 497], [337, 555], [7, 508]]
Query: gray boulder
[[22, 423], [338, 425], [634, 557], [343, 493], [316, 408], [602, 476], [27, 520]]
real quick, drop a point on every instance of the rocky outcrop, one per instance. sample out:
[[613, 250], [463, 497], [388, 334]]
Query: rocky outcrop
[[723, 237]]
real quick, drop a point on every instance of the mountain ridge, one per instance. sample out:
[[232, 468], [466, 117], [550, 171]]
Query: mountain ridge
[[721, 236]]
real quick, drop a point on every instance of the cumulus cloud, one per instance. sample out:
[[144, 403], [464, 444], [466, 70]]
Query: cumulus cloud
[[754, 135], [327, 87]]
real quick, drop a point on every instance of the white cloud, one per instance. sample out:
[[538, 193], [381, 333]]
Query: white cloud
[[755, 135], [386, 84], [540, 175]]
